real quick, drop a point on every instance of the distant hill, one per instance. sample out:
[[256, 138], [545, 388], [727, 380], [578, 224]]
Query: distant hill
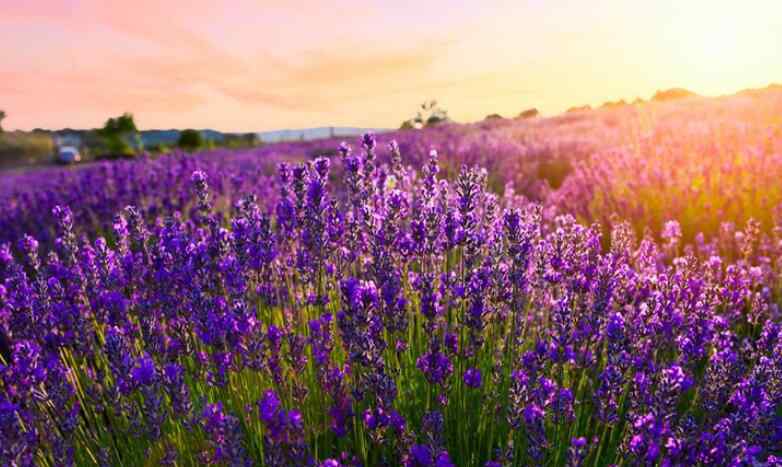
[[152, 138], [759, 92], [307, 134], [169, 137]]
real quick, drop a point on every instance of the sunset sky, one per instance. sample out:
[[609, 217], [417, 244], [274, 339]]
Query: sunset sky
[[270, 64]]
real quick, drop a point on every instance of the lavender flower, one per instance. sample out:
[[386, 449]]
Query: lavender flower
[[472, 377]]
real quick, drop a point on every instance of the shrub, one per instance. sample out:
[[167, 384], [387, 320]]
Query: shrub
[[190, 140], [529, 113], [672, 94], [19, 148], [582, 108]]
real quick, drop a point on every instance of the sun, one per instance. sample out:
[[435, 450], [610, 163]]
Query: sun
[[717, 47]]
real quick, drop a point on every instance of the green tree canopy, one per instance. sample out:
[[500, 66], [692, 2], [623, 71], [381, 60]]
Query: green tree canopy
[[121, 125], [190, 140], [240, 140], [115, 133], [2, 117]]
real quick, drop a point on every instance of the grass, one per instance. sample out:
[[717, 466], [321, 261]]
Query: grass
[[20, 148]]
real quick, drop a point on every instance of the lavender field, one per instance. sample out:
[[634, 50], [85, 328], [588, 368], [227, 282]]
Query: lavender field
[[597, 288]]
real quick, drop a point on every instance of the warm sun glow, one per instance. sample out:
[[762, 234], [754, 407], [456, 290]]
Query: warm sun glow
[[264, 65], [718, 46], [722, 46], [423, 233]]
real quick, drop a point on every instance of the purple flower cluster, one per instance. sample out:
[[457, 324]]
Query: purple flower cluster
[[708, 164], [390, 318]]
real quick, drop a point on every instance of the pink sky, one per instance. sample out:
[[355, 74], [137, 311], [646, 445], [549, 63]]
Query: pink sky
[[268, 64]]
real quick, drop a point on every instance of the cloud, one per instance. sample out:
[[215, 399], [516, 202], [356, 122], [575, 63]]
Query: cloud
[[162, 57], [162, 48], [319, 81]]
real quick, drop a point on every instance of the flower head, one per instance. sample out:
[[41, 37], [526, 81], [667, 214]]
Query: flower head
[[472, 377]]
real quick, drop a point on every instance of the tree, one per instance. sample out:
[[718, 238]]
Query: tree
[[2, 117], [190, 140], [123, 124], [116, 132], [251, 139], [407, 125], [430, 114], [529, 113], [240, 140]]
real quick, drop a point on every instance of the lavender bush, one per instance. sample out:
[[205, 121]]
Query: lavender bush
[[713, 165], [404, 318], [512, 154], [96, 192]]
